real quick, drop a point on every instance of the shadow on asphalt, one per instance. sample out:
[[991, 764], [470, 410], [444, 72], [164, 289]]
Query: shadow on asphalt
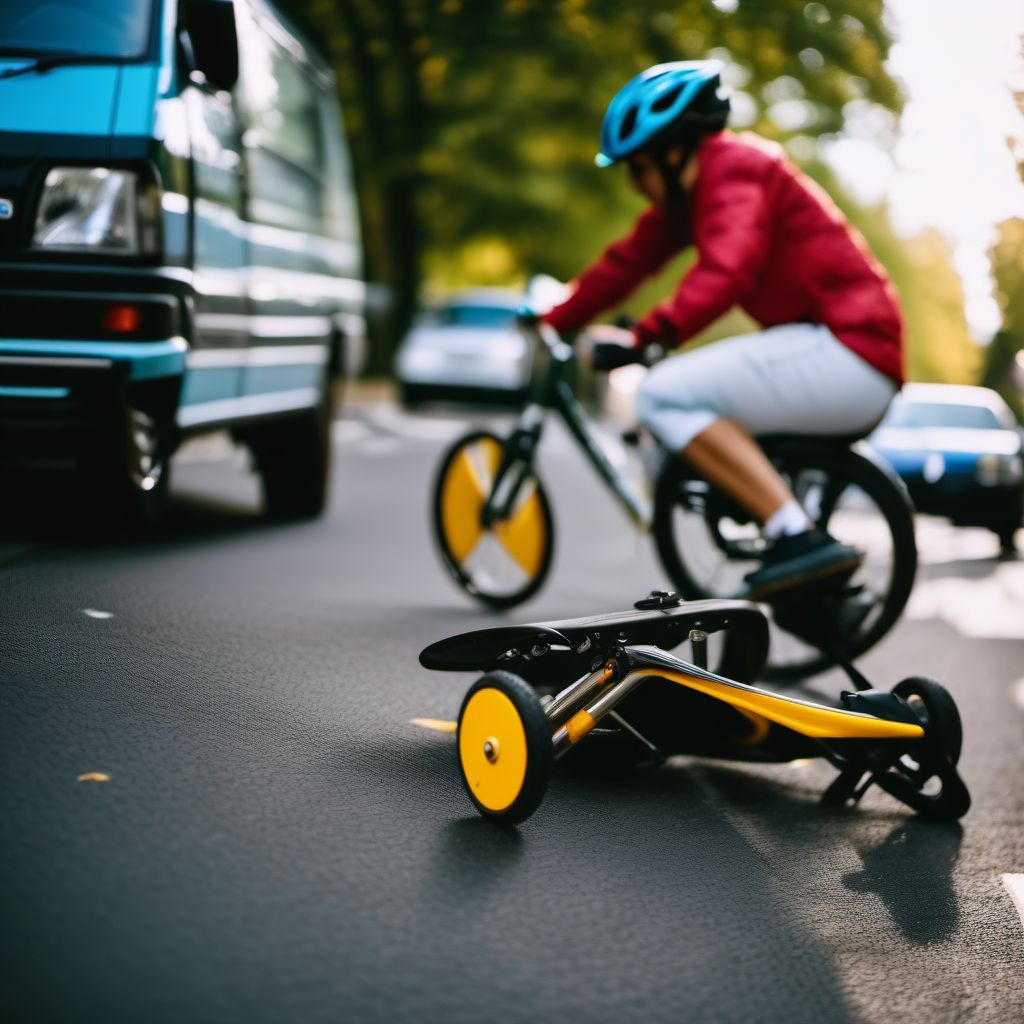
[[915, 859], [910, 870], [54, 518]]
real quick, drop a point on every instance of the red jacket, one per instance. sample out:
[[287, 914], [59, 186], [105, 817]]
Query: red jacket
[[769, 240]]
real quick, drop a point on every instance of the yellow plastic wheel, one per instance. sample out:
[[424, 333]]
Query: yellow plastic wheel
[[502, 565], [505, 749]]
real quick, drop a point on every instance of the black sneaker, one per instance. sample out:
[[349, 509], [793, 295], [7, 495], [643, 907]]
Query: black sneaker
[[797, 559]]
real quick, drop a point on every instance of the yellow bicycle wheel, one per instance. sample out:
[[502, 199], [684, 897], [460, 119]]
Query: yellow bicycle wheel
[[502, 565], [505, 750]]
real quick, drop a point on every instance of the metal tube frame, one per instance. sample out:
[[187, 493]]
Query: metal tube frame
[[554, 392]]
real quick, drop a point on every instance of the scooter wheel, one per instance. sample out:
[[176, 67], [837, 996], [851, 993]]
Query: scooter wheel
[[937, 755], [505, 749], [937, 710]]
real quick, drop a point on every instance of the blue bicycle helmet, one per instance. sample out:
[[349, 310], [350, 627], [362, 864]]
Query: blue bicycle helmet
[[658, 101]]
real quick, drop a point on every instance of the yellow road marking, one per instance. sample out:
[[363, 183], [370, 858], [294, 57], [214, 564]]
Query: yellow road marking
[[436, 724]]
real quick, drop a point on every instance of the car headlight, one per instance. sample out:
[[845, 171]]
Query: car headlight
[[993, 469], [98, 210]]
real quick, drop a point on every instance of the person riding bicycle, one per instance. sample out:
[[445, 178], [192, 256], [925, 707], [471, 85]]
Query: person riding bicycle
[[829, 359]]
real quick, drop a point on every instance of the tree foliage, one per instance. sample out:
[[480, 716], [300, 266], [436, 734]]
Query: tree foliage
[[1002, 365], [474, 122]]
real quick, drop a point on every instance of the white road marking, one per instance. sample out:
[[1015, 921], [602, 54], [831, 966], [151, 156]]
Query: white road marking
[[419, 428], [1015, 886], [1018, 693], [95, 613], [991, 608]]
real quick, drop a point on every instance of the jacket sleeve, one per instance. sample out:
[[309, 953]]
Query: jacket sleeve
[[731, 234], [618, 271]]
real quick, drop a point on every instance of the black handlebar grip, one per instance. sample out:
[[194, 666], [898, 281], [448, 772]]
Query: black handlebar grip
[[608, 355]]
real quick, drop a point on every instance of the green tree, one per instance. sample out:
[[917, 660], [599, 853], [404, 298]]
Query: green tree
[[473, 124], [1007, 259]]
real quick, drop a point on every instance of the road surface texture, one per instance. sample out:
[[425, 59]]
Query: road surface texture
[[215, 806]]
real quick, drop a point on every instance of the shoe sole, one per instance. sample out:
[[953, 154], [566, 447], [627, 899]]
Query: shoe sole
[[800, 580]]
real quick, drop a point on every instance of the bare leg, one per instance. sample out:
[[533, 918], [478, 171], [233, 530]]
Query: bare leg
[[728, 457]]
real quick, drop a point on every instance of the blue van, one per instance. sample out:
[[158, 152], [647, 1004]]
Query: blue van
[[179, 245]]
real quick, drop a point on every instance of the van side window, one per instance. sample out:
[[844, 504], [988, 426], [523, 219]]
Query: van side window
[[285, 143], [341, 213]]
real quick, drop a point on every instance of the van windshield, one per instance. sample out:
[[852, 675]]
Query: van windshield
[[92, 28]]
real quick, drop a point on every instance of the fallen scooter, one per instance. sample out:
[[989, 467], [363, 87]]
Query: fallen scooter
[[620, 679]]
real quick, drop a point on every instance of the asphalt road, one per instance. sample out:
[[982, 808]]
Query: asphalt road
[[275, 841]]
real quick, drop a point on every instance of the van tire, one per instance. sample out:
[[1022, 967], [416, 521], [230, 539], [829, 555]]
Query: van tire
[[293, 459], [130, 494]]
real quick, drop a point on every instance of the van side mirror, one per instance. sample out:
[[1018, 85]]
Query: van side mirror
[[212, 38]]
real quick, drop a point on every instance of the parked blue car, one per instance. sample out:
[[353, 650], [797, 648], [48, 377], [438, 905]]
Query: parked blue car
[[179, 244], [959, 450]]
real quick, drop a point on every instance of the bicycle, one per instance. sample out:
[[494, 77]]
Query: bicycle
[[493, 525]]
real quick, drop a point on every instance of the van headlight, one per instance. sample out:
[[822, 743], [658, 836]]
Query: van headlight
[[98, 210], [993, 469]]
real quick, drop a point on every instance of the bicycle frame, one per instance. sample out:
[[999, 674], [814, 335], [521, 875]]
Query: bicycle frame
[[554, 392]]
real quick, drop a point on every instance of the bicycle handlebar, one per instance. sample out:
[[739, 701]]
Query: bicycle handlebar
[[605, 355]]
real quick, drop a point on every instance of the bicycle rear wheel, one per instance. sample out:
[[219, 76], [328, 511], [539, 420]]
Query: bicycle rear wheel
[[707, 543], [502, 565]]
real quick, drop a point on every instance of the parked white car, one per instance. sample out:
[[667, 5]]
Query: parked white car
[[466, 349]]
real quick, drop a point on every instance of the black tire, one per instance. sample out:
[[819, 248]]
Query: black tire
[[129, 472], [934, 705], [509, 791], [936, 757], [503, 581], [834, 467], [293, 459]]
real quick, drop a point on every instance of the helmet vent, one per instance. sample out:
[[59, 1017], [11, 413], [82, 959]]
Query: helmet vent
[[666, 100], [628, 122]]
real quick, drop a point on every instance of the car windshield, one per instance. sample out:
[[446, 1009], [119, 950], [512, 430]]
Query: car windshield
[[940, 414], [89, 28], [475, 316]]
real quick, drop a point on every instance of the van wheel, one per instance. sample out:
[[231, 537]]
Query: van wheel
[[133, 472], [293, 458]]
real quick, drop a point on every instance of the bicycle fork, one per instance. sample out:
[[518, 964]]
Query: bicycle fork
[[515, 466]]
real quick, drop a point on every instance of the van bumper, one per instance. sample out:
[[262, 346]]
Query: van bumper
[[59, 399]]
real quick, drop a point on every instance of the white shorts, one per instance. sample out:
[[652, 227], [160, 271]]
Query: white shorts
[[794, 379]]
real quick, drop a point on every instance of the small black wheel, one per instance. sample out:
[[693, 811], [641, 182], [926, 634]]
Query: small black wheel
[[505, 564], [935, 707], [707, 544], [935, 788], [505, 749], [293, 458]]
